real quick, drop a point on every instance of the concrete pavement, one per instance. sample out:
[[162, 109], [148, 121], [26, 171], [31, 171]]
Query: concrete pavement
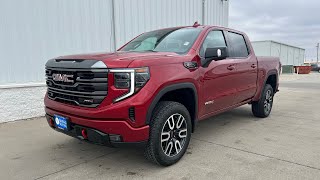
[[233, 145]]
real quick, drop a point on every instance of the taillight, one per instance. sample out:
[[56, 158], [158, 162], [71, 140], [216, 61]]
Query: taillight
[[132, 79]]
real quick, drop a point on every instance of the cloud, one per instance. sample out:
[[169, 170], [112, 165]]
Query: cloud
[[293, 22]]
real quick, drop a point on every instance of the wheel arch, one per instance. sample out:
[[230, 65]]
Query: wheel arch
[[272, 79], [165, 92], [275, 80]]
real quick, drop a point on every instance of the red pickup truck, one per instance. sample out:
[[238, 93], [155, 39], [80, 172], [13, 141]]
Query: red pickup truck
[[155, 88]]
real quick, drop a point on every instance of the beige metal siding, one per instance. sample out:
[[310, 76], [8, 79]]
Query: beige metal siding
[[216, 12], [275, 49], [33, 31], [262, 48], [147, 15], [153, 14], [284, 55], [289, 55]]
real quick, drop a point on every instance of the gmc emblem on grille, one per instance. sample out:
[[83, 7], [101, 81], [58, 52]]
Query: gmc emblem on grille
[[62, 78]]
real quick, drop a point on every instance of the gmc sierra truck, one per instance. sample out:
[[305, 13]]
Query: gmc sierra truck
[[154, 89]]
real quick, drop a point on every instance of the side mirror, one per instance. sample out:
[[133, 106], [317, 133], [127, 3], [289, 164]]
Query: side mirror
[[216, 54]]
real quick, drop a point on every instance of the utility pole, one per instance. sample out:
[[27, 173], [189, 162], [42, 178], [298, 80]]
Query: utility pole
[[317, 53]]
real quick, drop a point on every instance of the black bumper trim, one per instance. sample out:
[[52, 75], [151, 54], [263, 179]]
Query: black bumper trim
[[94, 136]]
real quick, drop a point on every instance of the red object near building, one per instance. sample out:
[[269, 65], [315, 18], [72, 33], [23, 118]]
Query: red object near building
[[302, 69]]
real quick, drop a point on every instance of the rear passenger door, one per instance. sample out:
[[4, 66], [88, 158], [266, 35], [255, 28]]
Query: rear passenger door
[[246, 67]]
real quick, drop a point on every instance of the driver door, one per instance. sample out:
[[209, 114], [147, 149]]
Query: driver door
[[218, 78]]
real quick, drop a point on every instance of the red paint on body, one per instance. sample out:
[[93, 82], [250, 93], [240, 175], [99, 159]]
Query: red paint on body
[[229, 83]]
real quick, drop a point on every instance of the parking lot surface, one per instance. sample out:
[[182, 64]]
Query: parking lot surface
[[233, 145]]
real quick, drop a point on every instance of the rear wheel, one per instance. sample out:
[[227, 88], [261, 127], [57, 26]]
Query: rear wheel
[[263, 107], [170, 132]]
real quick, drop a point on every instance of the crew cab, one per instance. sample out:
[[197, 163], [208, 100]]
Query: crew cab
[[155, 89]]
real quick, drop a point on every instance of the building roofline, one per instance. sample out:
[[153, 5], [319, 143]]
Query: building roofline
[[272, 41]]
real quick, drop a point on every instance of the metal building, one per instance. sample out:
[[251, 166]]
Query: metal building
[[288, 54], [33, 31]]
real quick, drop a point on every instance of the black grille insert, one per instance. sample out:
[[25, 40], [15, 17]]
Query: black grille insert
[[80, 87], [132, 113]]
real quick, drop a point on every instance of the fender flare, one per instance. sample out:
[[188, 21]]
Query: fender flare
[[167, 89], [271, 72]]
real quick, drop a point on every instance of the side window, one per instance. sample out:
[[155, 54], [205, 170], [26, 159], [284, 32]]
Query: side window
[[213, 40], [239, 46]]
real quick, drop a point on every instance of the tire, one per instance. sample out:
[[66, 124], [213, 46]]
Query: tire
[[171, 122], [263, 107]]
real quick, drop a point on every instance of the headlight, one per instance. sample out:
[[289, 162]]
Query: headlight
[[122, 80], [142, 76], [133, 79]]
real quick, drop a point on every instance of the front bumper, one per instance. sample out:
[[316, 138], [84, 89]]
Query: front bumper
[[100, 130]]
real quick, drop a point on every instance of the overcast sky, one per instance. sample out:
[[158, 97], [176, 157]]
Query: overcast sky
[[295, 22]]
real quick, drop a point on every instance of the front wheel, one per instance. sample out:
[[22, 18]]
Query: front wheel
[[170, 132], [263, 107]]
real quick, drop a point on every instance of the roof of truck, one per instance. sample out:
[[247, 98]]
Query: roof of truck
[[206, 27]]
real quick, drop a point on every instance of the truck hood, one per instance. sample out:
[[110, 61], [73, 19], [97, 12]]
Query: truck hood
[[120, 59]]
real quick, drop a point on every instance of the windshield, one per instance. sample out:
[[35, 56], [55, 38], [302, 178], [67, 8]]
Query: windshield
[[167, 40]]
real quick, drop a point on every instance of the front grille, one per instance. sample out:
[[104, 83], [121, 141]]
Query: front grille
[[80, 87]]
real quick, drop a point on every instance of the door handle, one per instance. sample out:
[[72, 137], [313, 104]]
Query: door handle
[[231, 67], [253, 66]]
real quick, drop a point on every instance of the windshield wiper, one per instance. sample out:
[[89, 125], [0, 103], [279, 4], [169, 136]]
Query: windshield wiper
[[151, 50]]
